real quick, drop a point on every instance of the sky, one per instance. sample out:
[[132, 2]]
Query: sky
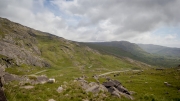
[[138, 21]]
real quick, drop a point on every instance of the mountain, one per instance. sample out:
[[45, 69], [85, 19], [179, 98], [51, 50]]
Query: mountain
[[160, 50], [39, 66], [22, 45], [131, 50]]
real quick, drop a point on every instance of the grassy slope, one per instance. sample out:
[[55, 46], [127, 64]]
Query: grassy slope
[[148, 85], [161, 50], [130, 50], [69, 60]]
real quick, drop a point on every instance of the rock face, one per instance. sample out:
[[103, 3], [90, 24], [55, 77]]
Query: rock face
[[20, 55], [19, 45]]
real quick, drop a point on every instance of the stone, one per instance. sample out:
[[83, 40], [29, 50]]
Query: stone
[[84, 84], [92, 84], [132, 92], [93, 89], [167, 84], [51, 80], [60, 89], [67, 95], [123, 90], [9, 77], [51, 100], [103, 88], [108, 84], [115, 88], [42, 79], [115, 93]]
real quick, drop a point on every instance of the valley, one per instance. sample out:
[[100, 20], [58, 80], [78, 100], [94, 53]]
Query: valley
[[27, 54]]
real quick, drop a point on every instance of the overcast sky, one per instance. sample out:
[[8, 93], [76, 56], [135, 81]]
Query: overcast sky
[[137, 21]]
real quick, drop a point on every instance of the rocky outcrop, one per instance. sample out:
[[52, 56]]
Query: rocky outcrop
[[2, 95], [18, 43], [114, 87], [20, 55]]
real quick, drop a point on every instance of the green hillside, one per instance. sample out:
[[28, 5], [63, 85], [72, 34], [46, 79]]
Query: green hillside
[[161, 50], [27, 55], [131, 50]]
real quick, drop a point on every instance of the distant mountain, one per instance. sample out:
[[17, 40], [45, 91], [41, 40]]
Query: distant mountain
[[133, 51], [160, 50]]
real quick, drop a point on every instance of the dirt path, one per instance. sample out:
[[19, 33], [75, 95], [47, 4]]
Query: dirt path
[[39, 72], [119, 72], [113, 72]]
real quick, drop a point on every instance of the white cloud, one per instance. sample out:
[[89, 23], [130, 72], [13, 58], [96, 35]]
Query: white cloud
[[98, 20]]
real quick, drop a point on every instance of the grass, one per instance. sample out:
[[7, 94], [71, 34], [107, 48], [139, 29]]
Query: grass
[[148, 85]]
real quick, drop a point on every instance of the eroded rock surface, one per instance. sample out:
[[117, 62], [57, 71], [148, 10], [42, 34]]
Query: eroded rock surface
[[2, 95], [112, 86]]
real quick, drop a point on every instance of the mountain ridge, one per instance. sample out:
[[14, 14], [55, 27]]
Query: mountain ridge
[[132, 50], [160, 50]]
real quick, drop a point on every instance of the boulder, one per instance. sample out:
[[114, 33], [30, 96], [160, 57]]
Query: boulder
[[115, 88]]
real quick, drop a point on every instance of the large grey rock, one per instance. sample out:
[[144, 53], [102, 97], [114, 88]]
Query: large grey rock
[[116, 88]]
